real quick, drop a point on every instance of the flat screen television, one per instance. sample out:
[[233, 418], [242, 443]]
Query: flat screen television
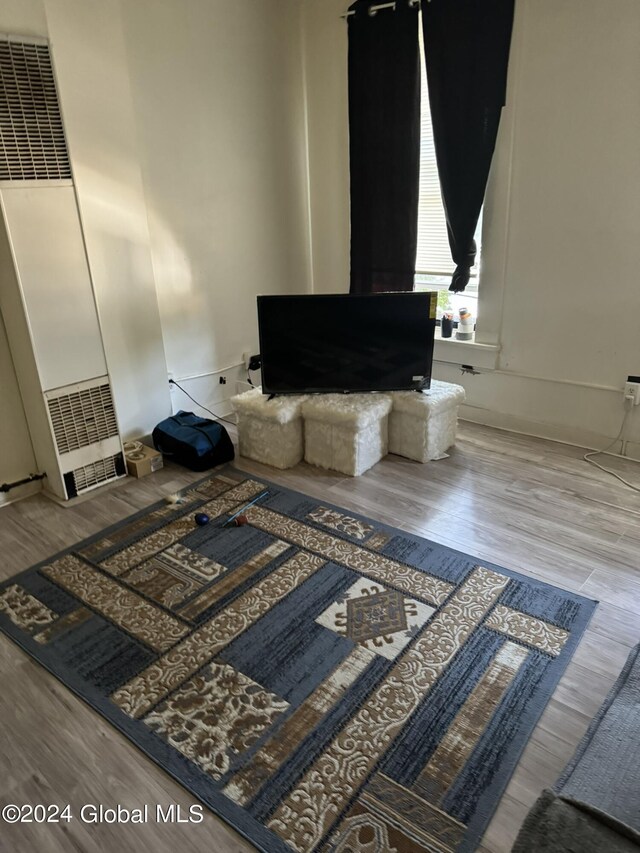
[[346, 342]]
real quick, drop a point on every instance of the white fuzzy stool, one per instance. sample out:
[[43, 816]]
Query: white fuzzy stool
[[346, 432], [270, 431], [423, 426]]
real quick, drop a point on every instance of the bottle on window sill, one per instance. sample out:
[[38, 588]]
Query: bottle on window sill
[[446, 324], [465, 326]]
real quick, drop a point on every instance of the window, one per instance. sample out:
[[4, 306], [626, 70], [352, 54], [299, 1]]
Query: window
[[434, 266]]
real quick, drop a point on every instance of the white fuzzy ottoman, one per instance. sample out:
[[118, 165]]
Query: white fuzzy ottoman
[[346, 432], [270, 431], [423, 426]]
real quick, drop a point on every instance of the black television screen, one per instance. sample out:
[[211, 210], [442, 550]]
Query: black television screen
[[346, 342]]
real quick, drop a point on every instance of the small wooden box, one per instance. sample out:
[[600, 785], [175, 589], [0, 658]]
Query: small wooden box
[[142, 461]]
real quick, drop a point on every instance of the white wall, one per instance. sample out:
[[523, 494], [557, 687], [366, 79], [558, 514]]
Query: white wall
[[185, 123], [23, 17], [325, 51], [574, 241], [218, 96], [572, 251], [88, 54], [93, 79], [562, 235]]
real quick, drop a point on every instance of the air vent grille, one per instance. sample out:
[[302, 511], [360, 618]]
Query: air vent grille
[[83, 417], [32, 141], [96, 473]]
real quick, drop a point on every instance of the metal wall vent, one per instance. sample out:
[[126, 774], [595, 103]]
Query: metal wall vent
[[96, 473], [32, 141], [83, 417]]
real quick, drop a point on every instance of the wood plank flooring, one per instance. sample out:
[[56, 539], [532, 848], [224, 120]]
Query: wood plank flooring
[[524, 503]]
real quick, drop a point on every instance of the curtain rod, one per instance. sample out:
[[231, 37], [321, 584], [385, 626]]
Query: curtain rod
[[373, 10]]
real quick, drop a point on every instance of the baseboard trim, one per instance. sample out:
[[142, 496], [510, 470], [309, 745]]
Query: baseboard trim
[[554, 432]]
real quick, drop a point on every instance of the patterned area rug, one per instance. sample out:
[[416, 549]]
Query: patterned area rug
[[321, 681]]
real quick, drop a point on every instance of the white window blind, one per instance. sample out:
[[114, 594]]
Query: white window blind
[[433, 255]]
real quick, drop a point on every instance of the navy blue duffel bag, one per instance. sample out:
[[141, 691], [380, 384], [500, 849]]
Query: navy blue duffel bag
[[195, 442]]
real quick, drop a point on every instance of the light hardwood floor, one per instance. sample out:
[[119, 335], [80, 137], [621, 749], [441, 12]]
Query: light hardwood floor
[[524, 503]]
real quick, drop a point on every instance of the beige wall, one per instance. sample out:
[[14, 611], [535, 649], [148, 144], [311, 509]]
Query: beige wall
[[23, 17], [16, 458], [562, 230], [93, 81], [218, 96], [95, 93], [325, 51], [185, 123], [574, 234]]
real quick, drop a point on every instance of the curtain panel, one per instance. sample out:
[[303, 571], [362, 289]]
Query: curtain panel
[[384, 146], [466, 46]]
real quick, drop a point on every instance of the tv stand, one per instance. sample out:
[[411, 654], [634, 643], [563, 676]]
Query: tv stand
[[347, 432]]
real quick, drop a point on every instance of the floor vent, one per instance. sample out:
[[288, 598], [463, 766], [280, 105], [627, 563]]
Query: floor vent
[[32, 140], [83, 417]]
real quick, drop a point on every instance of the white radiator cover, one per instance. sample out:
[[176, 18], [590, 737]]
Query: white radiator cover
[[46, 292], [85, 432], [46, 297], [47, 245], [32, 137]]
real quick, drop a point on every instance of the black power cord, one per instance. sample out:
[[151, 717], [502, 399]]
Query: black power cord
[[255, 363], [217, 417]]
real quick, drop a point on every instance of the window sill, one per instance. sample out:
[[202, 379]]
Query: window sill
[[452, 351]]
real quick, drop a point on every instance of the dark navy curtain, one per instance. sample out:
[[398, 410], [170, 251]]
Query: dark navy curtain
[[466, 45], [384, 146]]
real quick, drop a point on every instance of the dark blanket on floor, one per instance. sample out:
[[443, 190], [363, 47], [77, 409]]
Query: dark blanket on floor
[[557, 825], [596, 802]]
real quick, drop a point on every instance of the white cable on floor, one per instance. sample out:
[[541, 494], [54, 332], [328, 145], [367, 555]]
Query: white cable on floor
[[587, 456]]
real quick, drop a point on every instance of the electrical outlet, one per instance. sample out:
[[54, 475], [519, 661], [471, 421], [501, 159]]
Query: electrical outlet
[[223, 380], [246, 357], [171, 378], [632, 389]]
